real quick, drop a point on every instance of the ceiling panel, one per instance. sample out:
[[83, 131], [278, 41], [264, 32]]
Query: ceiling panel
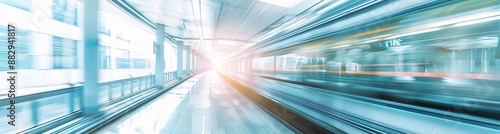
[[226, 20]]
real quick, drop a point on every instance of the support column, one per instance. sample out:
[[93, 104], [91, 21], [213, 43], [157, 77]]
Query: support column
[[188, 60], [160, 55], [180, 47], [90, 94]]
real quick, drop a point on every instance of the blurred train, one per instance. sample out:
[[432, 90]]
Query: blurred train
[[454, 41], [441, 61], [49, 46]]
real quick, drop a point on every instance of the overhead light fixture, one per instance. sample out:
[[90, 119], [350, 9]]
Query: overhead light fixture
[[196, 9], [282, 3], [330, 6], [370, 41]]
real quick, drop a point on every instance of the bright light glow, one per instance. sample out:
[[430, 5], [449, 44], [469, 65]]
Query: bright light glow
[[330, 7], [295, 24], [478, 21], [226, 42], [283, 3], [196, 9]]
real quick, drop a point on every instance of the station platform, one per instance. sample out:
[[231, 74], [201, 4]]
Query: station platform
[[203, 104]]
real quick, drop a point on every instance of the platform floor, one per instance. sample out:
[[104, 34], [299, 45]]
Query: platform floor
[[203, 104]]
